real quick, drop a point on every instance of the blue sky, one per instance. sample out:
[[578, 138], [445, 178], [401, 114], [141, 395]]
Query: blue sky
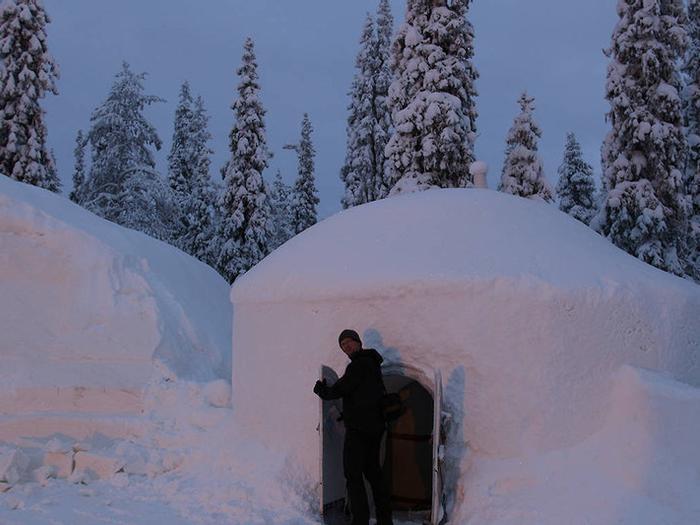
[[306, 51]]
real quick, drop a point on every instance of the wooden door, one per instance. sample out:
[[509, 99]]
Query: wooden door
[[332, 435]]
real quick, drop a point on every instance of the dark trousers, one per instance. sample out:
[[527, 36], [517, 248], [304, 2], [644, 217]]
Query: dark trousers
[[361, 458]]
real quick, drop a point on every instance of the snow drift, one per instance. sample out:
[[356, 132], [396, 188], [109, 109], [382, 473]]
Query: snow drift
[[91, 313], [640, 468], [528, 314]]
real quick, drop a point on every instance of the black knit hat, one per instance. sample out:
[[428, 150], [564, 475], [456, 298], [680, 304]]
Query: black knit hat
[[349, 334]]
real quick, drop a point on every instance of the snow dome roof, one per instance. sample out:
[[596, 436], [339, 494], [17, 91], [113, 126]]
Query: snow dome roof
[[438, 239]]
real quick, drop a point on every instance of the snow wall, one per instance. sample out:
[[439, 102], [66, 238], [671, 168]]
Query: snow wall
[[528, 314], [91, 313]]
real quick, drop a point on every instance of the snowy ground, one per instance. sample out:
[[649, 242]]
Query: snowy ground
[[60, 502], [185, 475]]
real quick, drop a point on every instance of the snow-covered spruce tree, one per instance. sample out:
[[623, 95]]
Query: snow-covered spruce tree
[[304, 195], [121, 139], [148, 204], [383, 78], [691, 106], [645, 210], [432, 97], [180, 158], [188, 176], [27, 72], [361, 173], [198, 239], [245, 228], [576, 188], [522, 173], [280, 202], [369, 122], [79, 168]]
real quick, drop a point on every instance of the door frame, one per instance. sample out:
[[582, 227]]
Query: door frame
[[434, 386], [326, 372]]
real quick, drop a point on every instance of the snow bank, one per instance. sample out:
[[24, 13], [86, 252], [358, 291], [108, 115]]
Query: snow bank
[[116, 380], [91, 313], [641, 468]]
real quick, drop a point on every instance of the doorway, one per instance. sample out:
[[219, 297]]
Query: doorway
[[408, 450], [411, 452]]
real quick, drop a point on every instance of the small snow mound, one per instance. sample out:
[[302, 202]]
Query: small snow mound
[[218, 393], [13, 465]]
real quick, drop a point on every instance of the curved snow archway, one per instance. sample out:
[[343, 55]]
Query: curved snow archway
[[408, 451]]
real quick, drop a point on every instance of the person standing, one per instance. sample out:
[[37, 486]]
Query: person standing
[[361, 387]]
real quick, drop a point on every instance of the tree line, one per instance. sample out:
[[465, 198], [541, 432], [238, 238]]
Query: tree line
[[411, 126], [424, 122], [230, 225]]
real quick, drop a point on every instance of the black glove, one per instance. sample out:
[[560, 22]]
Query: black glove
[[320, 387]]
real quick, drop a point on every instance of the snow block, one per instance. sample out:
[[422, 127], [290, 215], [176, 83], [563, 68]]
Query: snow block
[[134, 457], [218, 393], [43, 474], [13, 465], [97, 465], [61, 462]]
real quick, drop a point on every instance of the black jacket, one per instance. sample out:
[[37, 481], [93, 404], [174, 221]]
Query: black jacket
[[361, 388]]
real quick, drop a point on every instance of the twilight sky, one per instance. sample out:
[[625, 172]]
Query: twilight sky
[[306, 51]]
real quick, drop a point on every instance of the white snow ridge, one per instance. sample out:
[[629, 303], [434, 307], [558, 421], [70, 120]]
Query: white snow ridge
[[569, 370]]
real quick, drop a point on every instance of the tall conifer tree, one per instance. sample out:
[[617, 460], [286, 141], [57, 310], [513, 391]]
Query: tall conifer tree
[[385, 29], [181, 157], [361, 172], [432, 97], [79, 168], [189, 178], [645, 211], [304, 194], [123, 186], [576, 189], [280, 202], [691, 108], [365, 172], [198, 241], [523, 173], [245, 228], [188, 175], [27, 72]]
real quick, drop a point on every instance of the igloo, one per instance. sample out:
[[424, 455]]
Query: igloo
[[503, 320]]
